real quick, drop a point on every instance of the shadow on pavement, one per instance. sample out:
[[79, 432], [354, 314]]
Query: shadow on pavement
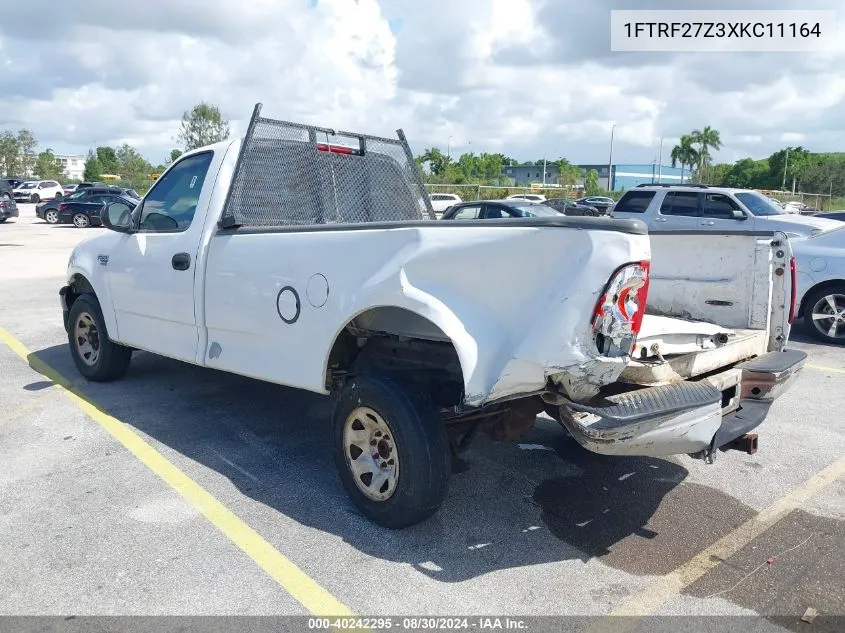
[[512, 508]]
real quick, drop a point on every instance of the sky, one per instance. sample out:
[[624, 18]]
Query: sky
[[528, 78]]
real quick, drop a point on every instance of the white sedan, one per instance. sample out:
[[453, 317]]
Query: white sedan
[[820, 268]]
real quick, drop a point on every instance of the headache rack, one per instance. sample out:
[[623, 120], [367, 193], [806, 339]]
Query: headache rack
[[291, 174]]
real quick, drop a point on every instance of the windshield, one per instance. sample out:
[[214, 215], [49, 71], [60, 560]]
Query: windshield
[[759, 204], [536, 210]]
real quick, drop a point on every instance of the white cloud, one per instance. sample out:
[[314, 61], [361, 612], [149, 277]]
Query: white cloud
[[525, 77]]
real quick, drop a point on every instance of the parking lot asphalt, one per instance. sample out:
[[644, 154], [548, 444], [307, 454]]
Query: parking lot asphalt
[[103, 508]]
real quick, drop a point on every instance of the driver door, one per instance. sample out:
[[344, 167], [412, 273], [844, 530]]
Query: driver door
[[151, 272]]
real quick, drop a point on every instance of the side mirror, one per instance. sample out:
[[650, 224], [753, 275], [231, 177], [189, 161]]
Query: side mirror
[[739, 215], [117, 216]]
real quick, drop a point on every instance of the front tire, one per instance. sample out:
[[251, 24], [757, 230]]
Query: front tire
[[824, 314], [35, 198], [95, 356], [391, 449], [81, 221]]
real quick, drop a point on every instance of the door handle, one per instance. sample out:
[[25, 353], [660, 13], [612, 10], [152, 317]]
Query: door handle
[[660, 219], [181, 261], [707, 223]]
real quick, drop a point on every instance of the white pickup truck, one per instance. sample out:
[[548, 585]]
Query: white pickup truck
[[300, 256]]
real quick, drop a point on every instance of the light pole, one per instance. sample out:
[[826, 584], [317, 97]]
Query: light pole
[[610, 161], [660, 162], [785, 163], [449, 148]]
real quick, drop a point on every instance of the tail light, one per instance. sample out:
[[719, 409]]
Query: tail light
[[793, 273], [2, 204], [62, 207], [620, 310]]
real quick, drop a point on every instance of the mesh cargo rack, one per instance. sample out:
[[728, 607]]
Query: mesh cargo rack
[[291, 174]]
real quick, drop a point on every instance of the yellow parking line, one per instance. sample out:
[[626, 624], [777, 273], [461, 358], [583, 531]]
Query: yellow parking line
[[295, 581], [835, 370], [670, 585]]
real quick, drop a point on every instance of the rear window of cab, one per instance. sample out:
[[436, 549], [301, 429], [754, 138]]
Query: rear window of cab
[[634, 202]]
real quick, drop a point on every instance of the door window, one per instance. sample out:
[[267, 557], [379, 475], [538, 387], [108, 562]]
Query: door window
[[684, 203], [171, 203], [468, 213], [718, 205]]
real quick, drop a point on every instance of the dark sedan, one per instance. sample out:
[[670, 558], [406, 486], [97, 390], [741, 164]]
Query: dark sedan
[[498, 209], [8, 209], [85, 211], [571, 207], [603, 203], [49, 211], [833, 215]]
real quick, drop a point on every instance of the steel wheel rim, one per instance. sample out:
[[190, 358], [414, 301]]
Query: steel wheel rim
[[828, 315], [51, 216], [80, 220], [87, 338], [371, 453]]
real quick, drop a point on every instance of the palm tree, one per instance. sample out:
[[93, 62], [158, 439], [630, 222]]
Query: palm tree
[[706, 139], [684, 154]]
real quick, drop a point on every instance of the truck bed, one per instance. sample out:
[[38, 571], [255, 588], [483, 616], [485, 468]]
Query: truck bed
[[670, 349]]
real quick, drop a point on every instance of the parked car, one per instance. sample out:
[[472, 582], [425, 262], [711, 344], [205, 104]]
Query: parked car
[[69, 189], [442, 201], [602, 203], [8, 209], [820, 266], [49, 211], [426, 332], [833, 215], [572, 207], [86, 211], [86, 184], [793, 207], [6, 189], [499, 209], [684, 207], [37, 190], [531, 197]]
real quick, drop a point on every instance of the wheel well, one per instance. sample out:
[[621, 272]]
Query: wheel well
[[79, 285], [396, 339], [831, 283]]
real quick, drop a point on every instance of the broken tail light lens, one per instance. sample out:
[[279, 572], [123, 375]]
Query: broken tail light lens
[[793, 276], [620, 310]]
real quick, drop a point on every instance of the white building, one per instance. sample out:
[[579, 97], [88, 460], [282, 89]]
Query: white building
[[73, 165]]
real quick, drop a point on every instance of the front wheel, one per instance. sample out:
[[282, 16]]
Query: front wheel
[[81, 221], [35, 198], [95, 356], [824, 314], [391, 449]]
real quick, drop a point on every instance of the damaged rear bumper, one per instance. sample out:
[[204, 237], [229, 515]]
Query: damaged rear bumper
[[683, 418]]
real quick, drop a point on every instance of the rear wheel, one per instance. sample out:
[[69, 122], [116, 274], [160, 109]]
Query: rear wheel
[[51, 216], [824, 314], [95, 356], [391, 449], [81, 221]]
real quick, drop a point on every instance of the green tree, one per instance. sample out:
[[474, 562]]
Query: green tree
[[719, 173], [174, 154], [107, 158], [684, 154], [568, 174], [591, 183], [794, 162], [706, 139], [202, 125], [92, 167], [46, 166], [27, 144], [10, 151], [437, 161], [130, 164]]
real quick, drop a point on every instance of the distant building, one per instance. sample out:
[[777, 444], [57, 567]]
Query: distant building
[[629, 176], [624, 176], [73, 165], [524, 175]]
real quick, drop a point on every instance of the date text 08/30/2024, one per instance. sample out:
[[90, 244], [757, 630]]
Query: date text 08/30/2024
[[418, 623]]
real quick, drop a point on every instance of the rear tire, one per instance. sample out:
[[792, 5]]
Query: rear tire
[[391, 449], [51, 216], [821, 303], [95, 356]]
